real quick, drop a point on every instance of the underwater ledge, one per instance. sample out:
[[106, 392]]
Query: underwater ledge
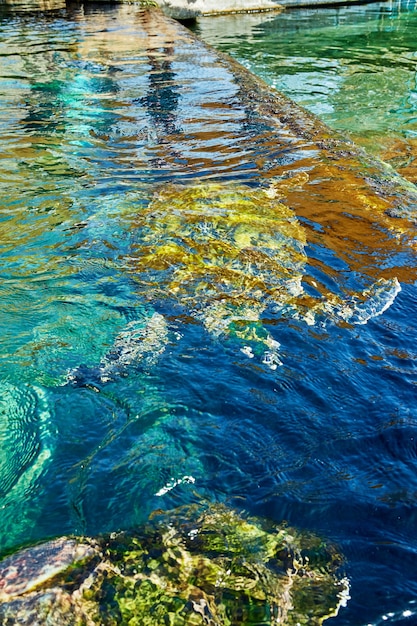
[[399, 194]]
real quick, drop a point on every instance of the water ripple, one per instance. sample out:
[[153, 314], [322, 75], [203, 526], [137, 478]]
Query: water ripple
[[354, 67], [27, 438], [116, 400]]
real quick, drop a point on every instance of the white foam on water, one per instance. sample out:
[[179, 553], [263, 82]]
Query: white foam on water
[[171, 484], [376, 300], [247, 351], [381, 297], [139, 342], [272, 360], [392, 617]]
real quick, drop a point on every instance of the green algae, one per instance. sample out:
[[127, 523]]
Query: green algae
[[219, 239], [224, 253], [192, 566]]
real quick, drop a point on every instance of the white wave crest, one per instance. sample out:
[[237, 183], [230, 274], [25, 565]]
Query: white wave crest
[[374, 301]]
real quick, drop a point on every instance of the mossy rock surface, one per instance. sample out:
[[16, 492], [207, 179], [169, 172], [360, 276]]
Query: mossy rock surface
[[211, 242], [224, 254], [192, 566]]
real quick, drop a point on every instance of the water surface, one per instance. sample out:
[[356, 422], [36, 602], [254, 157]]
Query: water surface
[[117, 400], [353, 66]]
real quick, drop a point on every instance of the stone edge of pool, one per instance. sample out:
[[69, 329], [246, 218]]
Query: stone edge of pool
[[191, 9]]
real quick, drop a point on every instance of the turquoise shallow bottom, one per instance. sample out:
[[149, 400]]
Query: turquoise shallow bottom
[[96, 112]]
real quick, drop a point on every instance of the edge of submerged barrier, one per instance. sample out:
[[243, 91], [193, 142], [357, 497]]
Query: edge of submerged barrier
[[192, 9], [184, 10], [276, 107]]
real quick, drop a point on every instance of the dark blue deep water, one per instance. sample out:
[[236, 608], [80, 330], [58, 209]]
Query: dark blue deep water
[[115, 402]]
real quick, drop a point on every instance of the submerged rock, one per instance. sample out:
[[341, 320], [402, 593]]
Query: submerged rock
[[226, 253], [193, 566], [23, 572], [140, 341], [223, 255]]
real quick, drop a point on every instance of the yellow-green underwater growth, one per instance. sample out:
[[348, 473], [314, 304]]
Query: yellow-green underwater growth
[[222, 252], [192, 567], [230, 243], [225, 252]]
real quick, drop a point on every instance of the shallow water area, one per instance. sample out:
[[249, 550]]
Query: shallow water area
[[133, 165], [354, 67]]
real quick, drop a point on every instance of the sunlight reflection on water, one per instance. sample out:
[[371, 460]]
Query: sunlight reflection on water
[[106, 315], [354, 66]]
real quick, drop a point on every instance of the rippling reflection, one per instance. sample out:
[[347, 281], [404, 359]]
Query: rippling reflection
[[353, 66], [27, 443], [117, 395]]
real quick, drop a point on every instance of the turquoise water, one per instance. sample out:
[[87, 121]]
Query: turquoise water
[[355, 67], [119, 398]]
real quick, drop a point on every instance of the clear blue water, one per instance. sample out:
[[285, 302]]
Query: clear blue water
[[354, 66], [98, 109]]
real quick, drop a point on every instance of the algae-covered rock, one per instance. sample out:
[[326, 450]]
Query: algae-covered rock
[[38, 585], [193, 566], [226, 252]]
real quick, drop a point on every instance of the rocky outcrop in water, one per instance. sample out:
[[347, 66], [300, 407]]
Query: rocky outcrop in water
[[193, 566]]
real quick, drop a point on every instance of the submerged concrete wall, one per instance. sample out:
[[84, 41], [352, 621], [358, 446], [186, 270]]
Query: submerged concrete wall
[[357, 204], [190, 9]]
